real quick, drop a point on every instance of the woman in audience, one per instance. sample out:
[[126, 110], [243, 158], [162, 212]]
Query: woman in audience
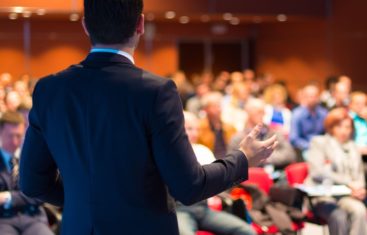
[[334, 159], [277, 115]]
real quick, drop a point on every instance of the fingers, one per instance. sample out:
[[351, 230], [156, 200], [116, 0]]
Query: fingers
[[271, 142], [256, 131]]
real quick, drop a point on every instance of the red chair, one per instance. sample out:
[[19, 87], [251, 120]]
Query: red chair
[[296, 173], [259, 177], [203, 233]]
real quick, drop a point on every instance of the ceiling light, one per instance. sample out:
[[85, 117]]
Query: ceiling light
[[205, 18], [235, 21], [27, 14], [13, 16], [184, 19], [41, 12], [18, 9], [74, 17], [227, 16], [282, 18], [257, 19], [150, 17], [170, 15]]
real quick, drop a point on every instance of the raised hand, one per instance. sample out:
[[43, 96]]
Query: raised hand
[[255, 150]]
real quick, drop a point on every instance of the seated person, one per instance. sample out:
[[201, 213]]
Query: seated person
[[283, 154], [334, 159], [214, 132], [307, 119], [19, 215], [199, 216]]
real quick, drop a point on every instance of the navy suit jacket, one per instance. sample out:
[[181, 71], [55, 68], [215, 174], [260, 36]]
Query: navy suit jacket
[[107, 142], [19, 200]]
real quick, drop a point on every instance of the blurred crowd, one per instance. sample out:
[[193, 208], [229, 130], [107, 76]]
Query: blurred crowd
[[326, 128]]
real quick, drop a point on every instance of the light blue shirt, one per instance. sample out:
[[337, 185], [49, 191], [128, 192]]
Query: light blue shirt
[[360, 125], [7, 158]]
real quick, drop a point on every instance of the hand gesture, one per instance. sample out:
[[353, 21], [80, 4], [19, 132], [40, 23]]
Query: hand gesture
[[255, 150]]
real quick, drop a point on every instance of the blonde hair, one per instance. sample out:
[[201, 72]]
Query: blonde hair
[[274, 89]]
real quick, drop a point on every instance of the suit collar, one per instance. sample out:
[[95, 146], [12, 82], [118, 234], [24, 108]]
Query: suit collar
[[103, 58]]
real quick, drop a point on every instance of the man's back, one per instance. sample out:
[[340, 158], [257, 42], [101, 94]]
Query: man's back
[[116, 135]]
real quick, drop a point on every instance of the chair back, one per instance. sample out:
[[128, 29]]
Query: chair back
[[296, 173]]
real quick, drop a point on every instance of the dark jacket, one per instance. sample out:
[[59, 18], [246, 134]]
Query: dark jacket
[[116, 135]]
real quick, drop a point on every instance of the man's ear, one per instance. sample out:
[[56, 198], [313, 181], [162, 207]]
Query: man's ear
[[140, 25], [85, 27]]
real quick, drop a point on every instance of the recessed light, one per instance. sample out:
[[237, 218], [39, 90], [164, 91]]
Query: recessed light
[[170, 15], [184, 19], [205, 18], [150, 17], [282, 17], [13, 16], [27, 14], [235, 21], [227, 16], [18, 9], [257, 19], [74, 17], [41, 12]]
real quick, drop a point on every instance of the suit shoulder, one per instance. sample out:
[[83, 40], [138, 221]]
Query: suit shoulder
[[51, 78], [154, 81]]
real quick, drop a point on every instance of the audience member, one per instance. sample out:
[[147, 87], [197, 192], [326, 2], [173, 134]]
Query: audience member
[[277, 115], [199, 216], [307, 119], [234, 103], [193, 104], [334, 159], [214, 133], [283, 154], [12, 101], [184, 87], [19, 215]]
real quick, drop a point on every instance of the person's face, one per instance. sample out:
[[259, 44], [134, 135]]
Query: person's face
[[202, 89], [12, 101], [192, 130], [358, 104], [11, 137], [214, 110], [311, 97], [343, 131], [256, 115], [341, 93]]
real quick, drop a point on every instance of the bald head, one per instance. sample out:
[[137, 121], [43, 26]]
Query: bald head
[[255, 109], [310, 96], [191, 127]]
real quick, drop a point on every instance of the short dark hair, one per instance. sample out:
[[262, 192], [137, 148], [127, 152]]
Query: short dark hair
[[13, 118], [112, 21]]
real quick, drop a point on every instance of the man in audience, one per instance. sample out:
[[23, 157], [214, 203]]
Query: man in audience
[[19, 215], [214, 133], [199, 216], [307, 119], [12, 101], [357, 107], [283, 154], [340, 96], [194, 103]]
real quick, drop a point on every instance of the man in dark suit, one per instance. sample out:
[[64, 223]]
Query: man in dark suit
[[19, 215], [106, 140]]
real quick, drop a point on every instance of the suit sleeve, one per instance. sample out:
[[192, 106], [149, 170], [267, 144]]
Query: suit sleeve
[[39, 177], [187, 181]]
